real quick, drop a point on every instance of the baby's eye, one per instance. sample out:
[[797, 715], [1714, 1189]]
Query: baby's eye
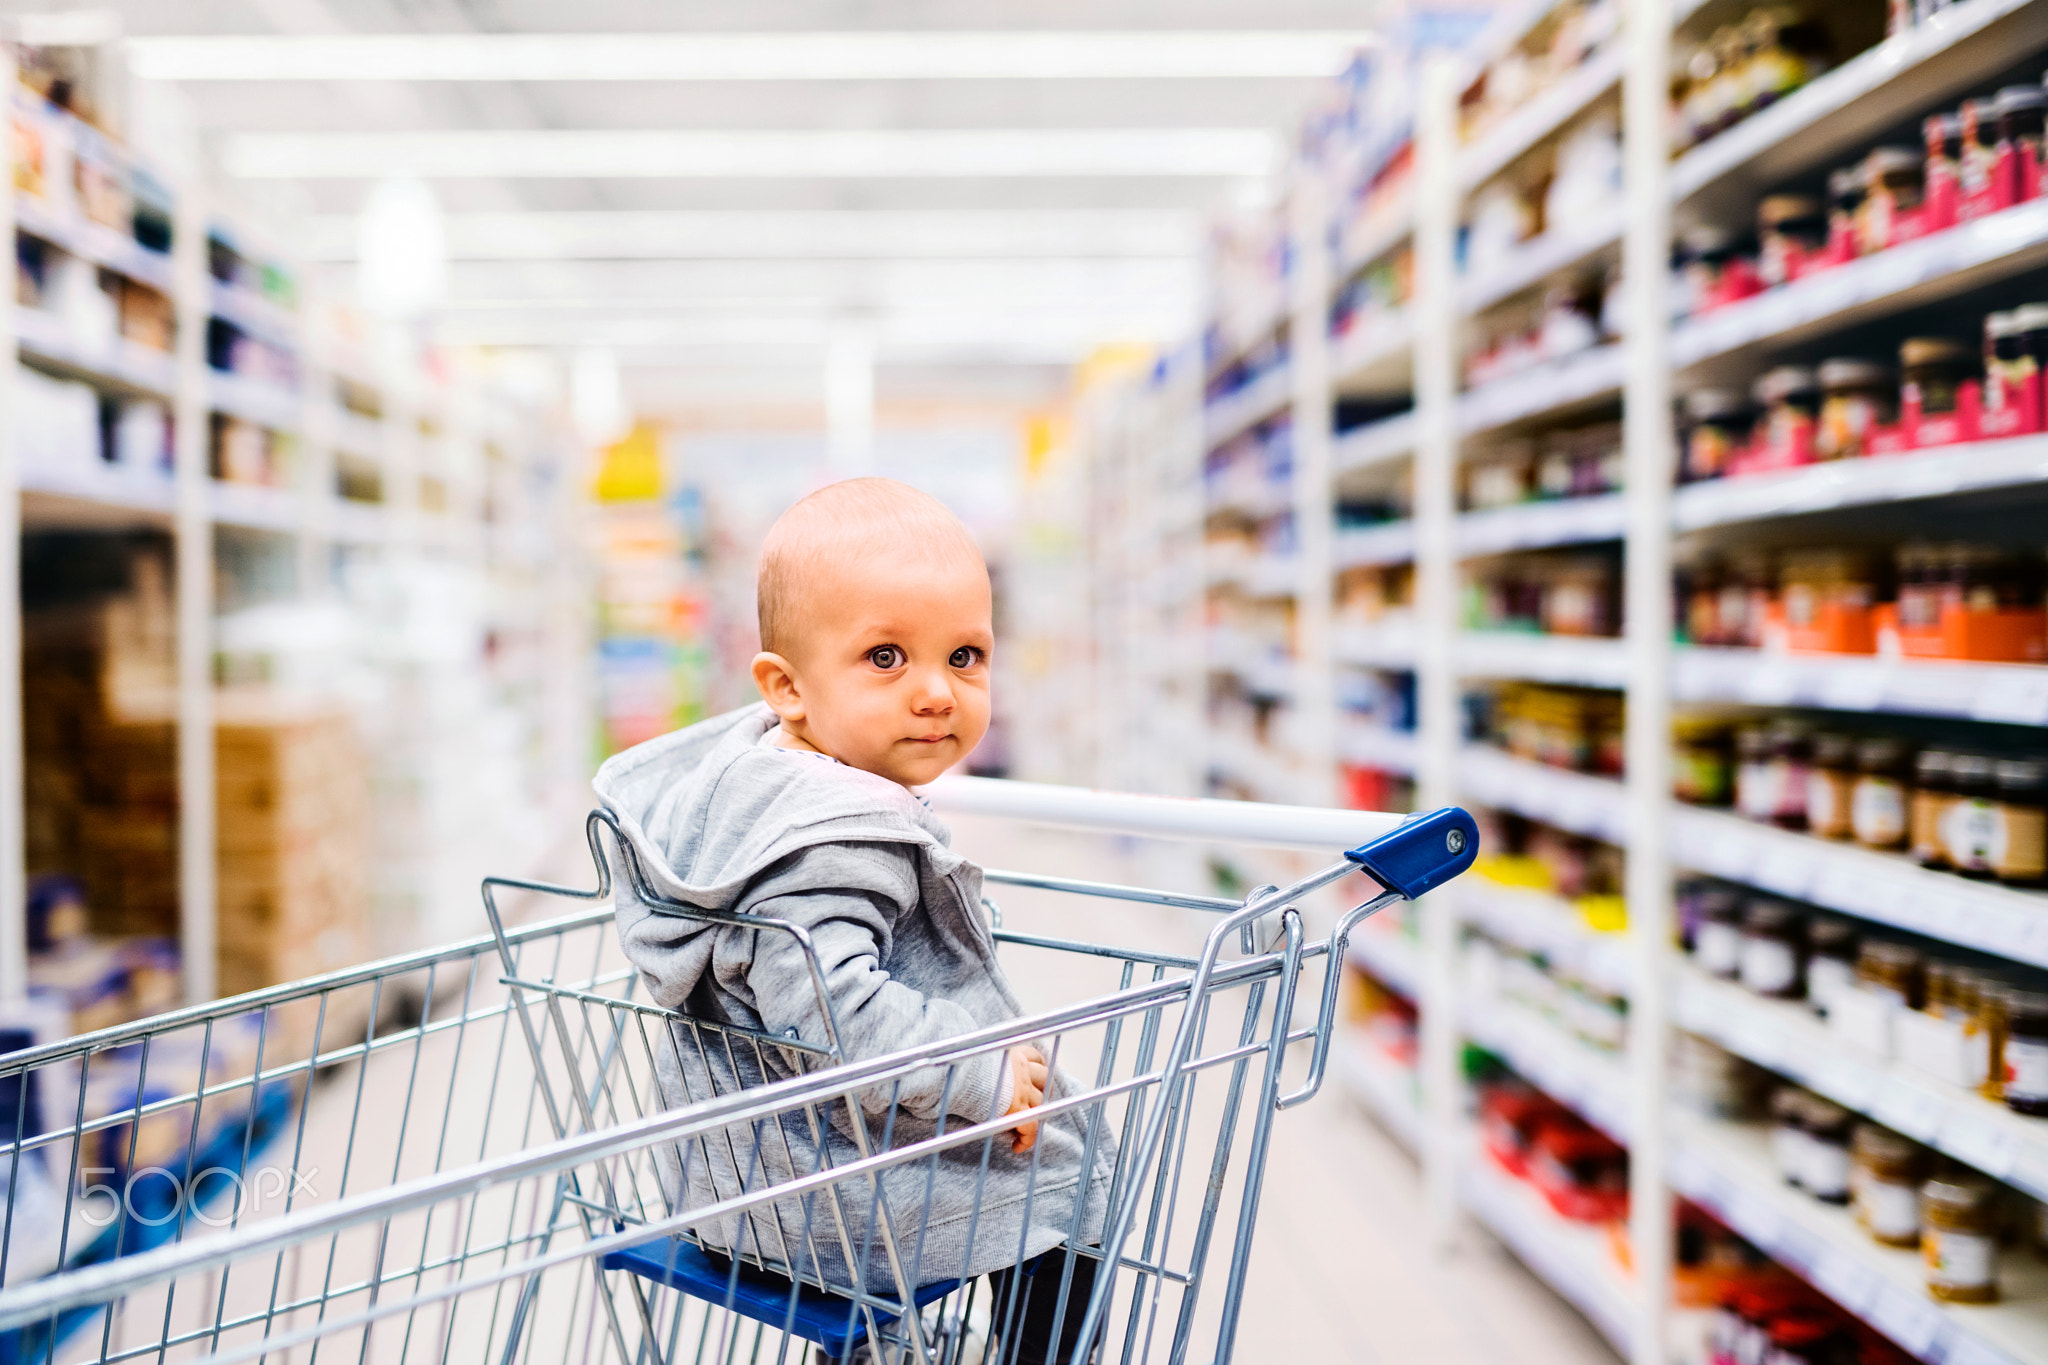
[[967, 656], [885, 657]]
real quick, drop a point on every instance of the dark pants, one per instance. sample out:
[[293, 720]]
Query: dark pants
[[1026, 1311]]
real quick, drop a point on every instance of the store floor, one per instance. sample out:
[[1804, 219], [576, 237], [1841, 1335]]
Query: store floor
[[1339, 1272]]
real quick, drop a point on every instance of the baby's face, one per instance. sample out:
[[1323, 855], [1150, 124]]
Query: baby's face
[[892, 672]]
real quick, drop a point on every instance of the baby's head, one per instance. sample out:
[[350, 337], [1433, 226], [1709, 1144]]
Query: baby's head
[[875, 629]]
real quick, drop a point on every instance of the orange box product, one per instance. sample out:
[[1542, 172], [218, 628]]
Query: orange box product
[[1824, 604], [2005, 635]]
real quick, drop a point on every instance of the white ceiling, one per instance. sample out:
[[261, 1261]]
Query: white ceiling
[[987, 231]]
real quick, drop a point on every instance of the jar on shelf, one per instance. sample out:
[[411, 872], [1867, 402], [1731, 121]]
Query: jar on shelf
[[1857, 397], [1888, 1172], [1830, 960], [1932, 794], [2012, 371], [2019, 849], [1943, 136], [1702, 773], [1933, 371], [1878, 800], [1969, 825], [1790, 751], [1716, 425], [1845, 213], [1959, 1238], [2022, 118], [1827, 1154], [1789, 397], [1830, 785], [1951, 1037], [1891, 972], [1894, 182], [1717, 939], [1792, 231], [2023, 1048], [1756, 796], [1977, 160], [1790, 1142], [1772, 949]]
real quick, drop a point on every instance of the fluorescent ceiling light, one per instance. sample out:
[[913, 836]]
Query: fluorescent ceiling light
[[650, 283], [1030, 55], [583, 154], [822, 234]]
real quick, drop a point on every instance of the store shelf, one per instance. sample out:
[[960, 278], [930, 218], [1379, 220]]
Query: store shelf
[[1836, 116], [253, 314], [1883, 887], [1792, 1041], [1575, 1259], [1532, 525], [355, 433], [103, 246], [1262, 576], [1380, 236], [1515, 134], [358, 523], [2011, 463], [1382, 1085], [1727, 1169], [1233, 415], [1358, 547], [256, 507], [1256, 767], [1386, 644], [120, 365], [1375, 443], [1534, 261], [1930, 270], [1593, 806], [1389, 956], [103, 487], [1572, 660], [1543, 923], [266, 405], [1553, 387], [1374, 358], [1591, 1083], [2015, 694], [1369, 745]]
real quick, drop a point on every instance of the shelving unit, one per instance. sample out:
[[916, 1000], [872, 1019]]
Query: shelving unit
[[457, 472], [1379, 453]]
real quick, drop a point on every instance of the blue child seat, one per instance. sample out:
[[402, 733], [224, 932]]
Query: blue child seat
[[830, 1321]]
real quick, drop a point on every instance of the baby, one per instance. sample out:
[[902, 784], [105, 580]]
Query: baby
[[874, 669]]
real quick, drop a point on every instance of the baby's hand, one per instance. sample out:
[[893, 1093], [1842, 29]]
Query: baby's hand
[[1027, 1090]]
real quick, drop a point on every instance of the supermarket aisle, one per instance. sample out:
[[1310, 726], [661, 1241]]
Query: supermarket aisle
[[1339, 1272]]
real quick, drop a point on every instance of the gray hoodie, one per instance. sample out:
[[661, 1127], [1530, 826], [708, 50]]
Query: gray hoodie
[[723, 822]]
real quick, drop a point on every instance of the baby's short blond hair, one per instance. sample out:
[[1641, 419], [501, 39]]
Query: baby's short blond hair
[[844, 523]]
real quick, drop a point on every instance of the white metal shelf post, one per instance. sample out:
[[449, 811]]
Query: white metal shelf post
[[1650, 463], [13, 759], [1315, 515], [1436, 595], [193, 530]]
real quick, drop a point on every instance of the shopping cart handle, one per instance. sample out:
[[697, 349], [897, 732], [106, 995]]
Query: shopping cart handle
[[1424, 852]]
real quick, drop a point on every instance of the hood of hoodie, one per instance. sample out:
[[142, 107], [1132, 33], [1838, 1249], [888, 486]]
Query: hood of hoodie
[[708, 808]]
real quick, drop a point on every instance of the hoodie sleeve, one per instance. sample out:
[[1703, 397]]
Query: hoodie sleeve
[[848, 897]]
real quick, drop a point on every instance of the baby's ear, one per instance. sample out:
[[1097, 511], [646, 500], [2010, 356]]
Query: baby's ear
[[776, 681]]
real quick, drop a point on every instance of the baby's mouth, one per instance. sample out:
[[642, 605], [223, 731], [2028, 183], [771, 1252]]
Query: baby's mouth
[[929, 739]]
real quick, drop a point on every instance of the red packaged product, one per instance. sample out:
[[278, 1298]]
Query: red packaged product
[[2012, 372], [1583, 1173], [1510, 1116], [1941, 398], [2022, 112], [1944, 134], [1977, 162]]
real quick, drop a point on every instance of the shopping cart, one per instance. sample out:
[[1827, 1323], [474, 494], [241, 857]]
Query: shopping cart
[[530, 1161]]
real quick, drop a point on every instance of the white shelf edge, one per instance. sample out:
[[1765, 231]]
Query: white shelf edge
[[1532, 525], [1377, 239], [1384, 1087], [1593, 806], [1371, 745], [1374, 443], [2004, 237], [2010, 462], [1582, 661], [1890, 60], [1884, 888], [1515, 134], [1541, 922], [121, 365], [1789, 1039], [1387, 645], [95, 242], [2011, 694], [1549, 254], [1580, 378], [1391, 957], [1257, 401], [1591, 1085], [1572, 1259], [1358, 547], [1370, 345]]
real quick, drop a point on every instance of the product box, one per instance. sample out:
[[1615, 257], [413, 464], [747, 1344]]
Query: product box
[[2015, 636], [1835, 628]]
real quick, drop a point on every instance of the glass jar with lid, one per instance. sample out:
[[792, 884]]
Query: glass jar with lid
[[1894, 182], [1969, 826], [1959, 1238], [1933, 371], [1943, 135], [1827, 1154], [1756, 795], [1716, 428], [1717, 938], [1878, 800], [2024, 1050], [1701, 771], [1773, 944], [1789, 397], [1830, 785], [1792, 229], [1977, 160], [1920, 569], [2022, 117], [1830, 960], [1891, 971], [1932, 794], [1791, 749], [2012, 375], [1790, 1142], [1857, 397], [1889, 1170], [1845, 213], [2019, 848]]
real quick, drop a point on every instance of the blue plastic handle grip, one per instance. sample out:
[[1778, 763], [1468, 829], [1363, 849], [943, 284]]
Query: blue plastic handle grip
[[1423, 853]]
